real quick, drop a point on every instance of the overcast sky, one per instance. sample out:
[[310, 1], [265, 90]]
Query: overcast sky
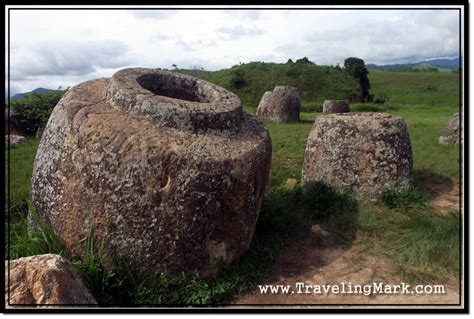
[[51, 48]]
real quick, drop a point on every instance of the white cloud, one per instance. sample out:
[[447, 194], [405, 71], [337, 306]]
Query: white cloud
[[75, 58], [55, 47], [239, 31]]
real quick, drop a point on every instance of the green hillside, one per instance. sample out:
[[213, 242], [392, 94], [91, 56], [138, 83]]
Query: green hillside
[[315, 82], [423, 89]]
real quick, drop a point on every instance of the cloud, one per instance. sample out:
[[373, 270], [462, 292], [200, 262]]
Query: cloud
[[183, 45], [160, 37], [239, 31], [152, 13], [387, 39], [245, 14], [95, 43], [67, 59]]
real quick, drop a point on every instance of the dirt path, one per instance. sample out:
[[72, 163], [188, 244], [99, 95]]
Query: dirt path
[[311, 262], [444, 197], [317, 260]]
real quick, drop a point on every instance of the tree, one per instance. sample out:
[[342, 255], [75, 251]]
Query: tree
[[304, 60], [237, 81], [174, 66], [356, 68], [35, 108], [289, 61]]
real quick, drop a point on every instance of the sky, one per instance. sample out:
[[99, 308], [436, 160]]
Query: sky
[[52, 48]]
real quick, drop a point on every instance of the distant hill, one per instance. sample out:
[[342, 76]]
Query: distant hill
[[441, 64], [38, 90], [315, 82]]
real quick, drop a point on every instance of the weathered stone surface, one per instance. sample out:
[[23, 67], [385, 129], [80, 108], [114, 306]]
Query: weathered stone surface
[[44, 280], [291, 183], [335, 106], [363, 153], [168, 169], [320, 232], [15, 140], [452, 132], [280, 105]]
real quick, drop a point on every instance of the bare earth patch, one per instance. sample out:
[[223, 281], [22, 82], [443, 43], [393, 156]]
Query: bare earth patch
[[320, 261], [444, 197]]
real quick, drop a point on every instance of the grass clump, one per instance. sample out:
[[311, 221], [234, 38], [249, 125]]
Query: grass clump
[[405, 199], [37, 239]]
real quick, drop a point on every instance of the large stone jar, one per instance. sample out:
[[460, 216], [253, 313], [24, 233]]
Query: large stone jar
[[336, 106], [452, 132], [280, 105], [361, 153], [168, 170]]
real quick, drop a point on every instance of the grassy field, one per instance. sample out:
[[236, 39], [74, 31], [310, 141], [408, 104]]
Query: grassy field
[[422, 246]]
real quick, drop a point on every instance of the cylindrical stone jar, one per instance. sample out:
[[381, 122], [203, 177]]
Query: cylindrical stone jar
[[168, 169], [361, 153], [281, 105], [336, 106]]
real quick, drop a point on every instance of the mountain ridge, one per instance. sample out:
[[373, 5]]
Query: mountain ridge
[[436, 63]]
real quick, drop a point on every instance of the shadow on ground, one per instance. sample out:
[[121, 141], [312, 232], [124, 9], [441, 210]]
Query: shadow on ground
[[443, 192], [432, 183], [320, 225]]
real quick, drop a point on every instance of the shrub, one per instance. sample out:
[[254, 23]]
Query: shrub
[[36, 108], [237, 81]]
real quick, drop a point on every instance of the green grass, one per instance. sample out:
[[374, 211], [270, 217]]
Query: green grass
[[408, 89], [422, 246], [21, 161]]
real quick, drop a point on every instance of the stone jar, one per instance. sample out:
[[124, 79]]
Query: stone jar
[[335, 106], [361, 153], [168, 169], [280, 105], [452, 132]]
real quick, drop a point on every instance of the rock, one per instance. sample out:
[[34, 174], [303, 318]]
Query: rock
[[318, 231], [44, 280], [363, 153], [280, 105], [291, 183], [169, 169], [335, 106], [15, 140], [452, 133]]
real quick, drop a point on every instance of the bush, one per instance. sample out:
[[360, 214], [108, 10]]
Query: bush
[[36, 108], [237, 81]]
